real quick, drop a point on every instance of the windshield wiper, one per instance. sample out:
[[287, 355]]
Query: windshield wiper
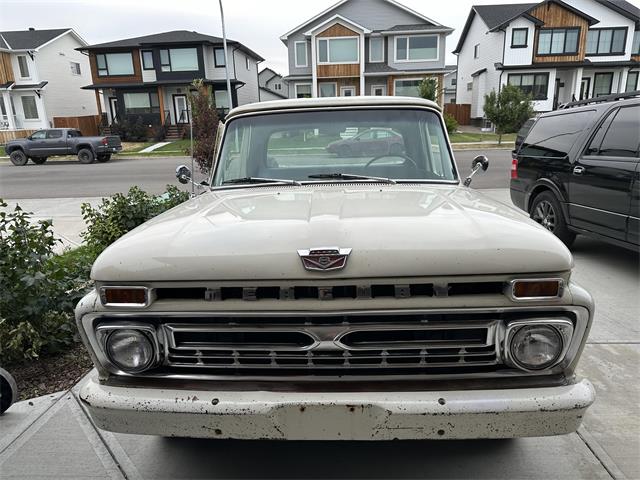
[[256, 180], [349, 176]]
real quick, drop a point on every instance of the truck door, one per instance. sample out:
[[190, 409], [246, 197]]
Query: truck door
[[602, 176], [56, 142], [37, 143]]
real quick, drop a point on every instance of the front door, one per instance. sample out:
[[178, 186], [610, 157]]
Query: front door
[[602, 177], [585, 86], [180, 108], [113, 108]]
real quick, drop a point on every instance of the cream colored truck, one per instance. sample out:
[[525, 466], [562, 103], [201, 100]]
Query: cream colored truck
[[306, 295]]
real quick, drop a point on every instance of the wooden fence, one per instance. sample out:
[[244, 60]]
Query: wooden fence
[[460, 111], [89, 125], [6, 135]]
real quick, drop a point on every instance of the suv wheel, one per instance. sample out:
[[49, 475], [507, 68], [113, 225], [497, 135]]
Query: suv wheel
[[85, 156], [38, 160], [546, 210], [104, 158], [18, 158]]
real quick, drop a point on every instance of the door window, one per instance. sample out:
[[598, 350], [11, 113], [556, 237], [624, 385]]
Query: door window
[[622, 138], [39, 135], [54, 134]]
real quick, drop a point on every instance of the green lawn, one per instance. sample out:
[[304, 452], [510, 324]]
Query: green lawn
[[480, 137], [178, 145]]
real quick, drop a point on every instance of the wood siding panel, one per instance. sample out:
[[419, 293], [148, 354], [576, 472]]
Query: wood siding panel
[[555, 16], [6, 71], [340, 70], [338, 30], [135, 78]]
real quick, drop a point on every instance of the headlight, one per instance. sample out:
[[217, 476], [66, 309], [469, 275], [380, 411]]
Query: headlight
[[130, 350], [536, 347]]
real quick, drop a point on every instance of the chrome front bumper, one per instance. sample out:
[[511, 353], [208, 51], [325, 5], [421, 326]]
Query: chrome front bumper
[[523, 412]]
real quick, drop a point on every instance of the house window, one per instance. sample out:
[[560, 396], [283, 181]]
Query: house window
[[218, 56], [29, 107], [75, 68], [606, 41], [140, 103], [558, 41], [221, 98], [632, 82], [338, 50], [179, 60], [469, 86], [418, 48], [23, 66], [247, 63], [635, 49], [454, 82], [602, 83], [327, 90], [147, 59], [519, 37], [301, 54], [476, 51], [277, 86], [407, 88], [534, 84], [114, 64], [303, 90], [378, 90], [376, 49]]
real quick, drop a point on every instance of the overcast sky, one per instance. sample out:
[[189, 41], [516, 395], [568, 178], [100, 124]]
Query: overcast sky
[[256, 23]]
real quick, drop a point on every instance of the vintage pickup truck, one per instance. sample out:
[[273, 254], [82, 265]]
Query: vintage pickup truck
[[43, 144], [306, 295]]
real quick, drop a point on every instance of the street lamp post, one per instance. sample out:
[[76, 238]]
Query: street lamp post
[[226, 62]]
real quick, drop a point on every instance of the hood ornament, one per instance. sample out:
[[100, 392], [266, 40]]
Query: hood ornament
[[324, 259]]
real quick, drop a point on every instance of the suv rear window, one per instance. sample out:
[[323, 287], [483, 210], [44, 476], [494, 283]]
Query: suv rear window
[[553, 136]]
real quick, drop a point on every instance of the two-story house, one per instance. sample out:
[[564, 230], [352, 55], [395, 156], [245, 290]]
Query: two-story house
[[150, 77], [556, 51], [365, 47], [272, 86], [41, 74]]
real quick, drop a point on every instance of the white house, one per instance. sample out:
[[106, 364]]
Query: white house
[[41, 75], [272, 86], [557, 51]]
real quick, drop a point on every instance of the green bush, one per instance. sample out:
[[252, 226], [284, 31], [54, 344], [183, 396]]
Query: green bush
[[451, 123], [129, 131], [38, 290], [120, 214]]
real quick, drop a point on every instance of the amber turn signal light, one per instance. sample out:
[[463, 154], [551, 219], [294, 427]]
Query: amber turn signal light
[[137, 296], [523, 289]]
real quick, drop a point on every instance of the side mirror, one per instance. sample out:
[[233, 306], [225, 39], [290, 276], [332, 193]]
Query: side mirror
[[480, 162], [8, 391], [183, 174]]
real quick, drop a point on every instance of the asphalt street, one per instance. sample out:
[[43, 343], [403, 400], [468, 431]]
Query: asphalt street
[[70, 179]]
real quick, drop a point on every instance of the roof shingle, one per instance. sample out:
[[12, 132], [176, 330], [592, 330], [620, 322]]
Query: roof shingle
[[30, 39]]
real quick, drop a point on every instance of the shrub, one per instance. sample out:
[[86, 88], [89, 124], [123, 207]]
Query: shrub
[[204, 117], [38, 290], [120, 214], [131, 131], [508, 110], [451, 123]]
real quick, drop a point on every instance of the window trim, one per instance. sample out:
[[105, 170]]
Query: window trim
[[610, 53], [408, 37], [347, 87], [35, 103], [26, 65], [106, 64], [306, 54], [383, 87], [247, 61], [546, 74], [595, 81], [564, 53], [370, 49], [335, 84], [637, 74], [215, 58], [404, 79], [144, 65], [526, 37], [636, 33], [476, 51], [151, 107], [171, 70], [328, 40], [296, 85], [77, 72]]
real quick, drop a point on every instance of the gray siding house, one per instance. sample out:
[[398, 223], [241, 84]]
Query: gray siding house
[[365, 47], [272, 86]]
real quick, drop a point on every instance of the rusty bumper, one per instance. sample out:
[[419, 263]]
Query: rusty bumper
[[339, 416]]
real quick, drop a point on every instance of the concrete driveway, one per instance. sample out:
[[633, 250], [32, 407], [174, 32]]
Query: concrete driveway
[[51, 437]]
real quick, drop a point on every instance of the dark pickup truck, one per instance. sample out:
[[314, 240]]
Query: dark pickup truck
[[61, 141]]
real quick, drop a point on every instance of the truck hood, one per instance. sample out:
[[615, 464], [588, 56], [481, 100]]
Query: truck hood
[[393, 231]]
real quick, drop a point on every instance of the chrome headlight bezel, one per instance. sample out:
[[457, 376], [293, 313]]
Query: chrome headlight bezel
[[564, 328], [104, 332]]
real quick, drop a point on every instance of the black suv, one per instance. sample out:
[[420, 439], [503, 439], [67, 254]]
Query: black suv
[[578, 170]]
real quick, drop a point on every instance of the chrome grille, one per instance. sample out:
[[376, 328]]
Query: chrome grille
[[346, 348]]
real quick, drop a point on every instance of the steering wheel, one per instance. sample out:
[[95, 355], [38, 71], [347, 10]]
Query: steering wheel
[[401, 155]]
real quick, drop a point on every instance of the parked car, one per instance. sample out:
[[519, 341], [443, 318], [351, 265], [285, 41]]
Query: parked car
[[43, 144], [301, 298], [373, 141], [577, 171], [523, 132]]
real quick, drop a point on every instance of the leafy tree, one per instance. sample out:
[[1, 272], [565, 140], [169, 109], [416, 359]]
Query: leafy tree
[[508, 110], [205, 125]]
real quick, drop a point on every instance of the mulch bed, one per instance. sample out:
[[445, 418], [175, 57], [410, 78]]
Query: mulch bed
[[52, 373]]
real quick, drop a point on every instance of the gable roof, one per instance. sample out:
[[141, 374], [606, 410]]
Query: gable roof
[[342, 2], [623, 8], [29, 39], [163, 38]]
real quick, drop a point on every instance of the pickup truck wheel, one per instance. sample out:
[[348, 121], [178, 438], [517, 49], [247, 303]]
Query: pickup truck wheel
[[104, 158], [38, 160], [18, 158], [85, 156], [546, 210]]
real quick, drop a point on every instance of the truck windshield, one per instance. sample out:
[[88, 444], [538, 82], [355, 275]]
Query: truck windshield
[[336, 146]]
